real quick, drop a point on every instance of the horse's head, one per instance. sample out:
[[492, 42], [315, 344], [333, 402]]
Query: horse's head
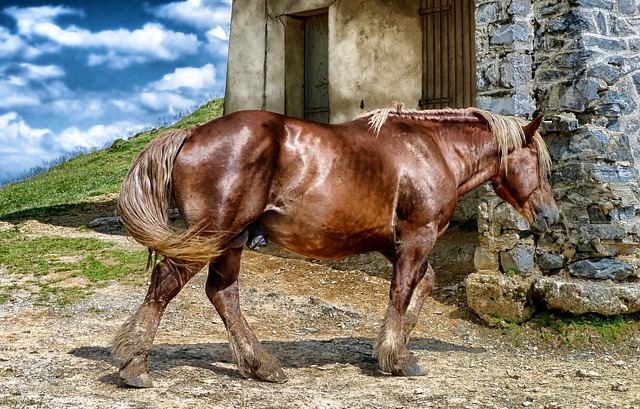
[[523, 182]]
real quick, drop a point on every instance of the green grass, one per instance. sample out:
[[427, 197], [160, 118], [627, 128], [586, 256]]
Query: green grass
[[62, 270], [64, 188], [555, 330], [44, 263]]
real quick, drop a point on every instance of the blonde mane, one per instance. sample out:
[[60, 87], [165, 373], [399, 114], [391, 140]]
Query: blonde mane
[[506, 129]]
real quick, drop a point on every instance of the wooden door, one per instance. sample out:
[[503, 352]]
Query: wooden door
[[316, 68], [449, 60]]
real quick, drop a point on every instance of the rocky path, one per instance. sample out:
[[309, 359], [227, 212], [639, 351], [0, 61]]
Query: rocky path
[[320, 321]]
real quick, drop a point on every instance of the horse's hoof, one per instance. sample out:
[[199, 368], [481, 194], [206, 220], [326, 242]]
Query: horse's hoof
[[413, 370], [140, 381], [274, 376]]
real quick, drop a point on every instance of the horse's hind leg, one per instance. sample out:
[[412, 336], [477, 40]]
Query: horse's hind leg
[[134, 338], [222, 289]]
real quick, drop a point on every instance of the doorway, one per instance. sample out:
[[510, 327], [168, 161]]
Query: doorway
[[307, 66], [316, 68], [449, 56]]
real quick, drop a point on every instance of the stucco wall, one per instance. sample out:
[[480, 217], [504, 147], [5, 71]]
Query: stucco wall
[[375, 55], [245, 87]]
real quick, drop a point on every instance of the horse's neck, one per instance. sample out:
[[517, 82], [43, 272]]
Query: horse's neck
[[475, 159]]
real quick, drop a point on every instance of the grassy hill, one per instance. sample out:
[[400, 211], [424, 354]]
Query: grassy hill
[[47, 254], [66, 187]]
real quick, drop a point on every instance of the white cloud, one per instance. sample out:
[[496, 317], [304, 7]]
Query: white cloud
[[117, 48], [165, 102], [23, 73], [217, 42], [23, 147], [217, 33], [13, 46], [202, 14], [96, 136], [24, 84], [26, 17], [187, 77]]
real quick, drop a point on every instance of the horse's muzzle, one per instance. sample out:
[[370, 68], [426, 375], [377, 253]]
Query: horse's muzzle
[[545, 218]]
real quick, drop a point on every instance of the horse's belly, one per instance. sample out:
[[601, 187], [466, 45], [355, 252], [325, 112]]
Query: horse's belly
[[324, 239]]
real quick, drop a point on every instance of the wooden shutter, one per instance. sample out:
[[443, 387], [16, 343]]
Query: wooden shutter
[[449, 60]]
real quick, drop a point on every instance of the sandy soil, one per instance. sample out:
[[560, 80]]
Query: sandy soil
[[319, 319]]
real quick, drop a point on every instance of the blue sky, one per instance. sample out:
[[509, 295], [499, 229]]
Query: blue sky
[[81, 73]]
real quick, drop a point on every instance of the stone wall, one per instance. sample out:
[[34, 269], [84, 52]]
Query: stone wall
[[578, 62]]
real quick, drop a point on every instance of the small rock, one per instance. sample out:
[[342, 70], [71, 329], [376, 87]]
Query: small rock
[[581, 373], [106, 223], [552, 405], [619, 387], [419, 391]]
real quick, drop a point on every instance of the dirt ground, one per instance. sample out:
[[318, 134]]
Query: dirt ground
[[319, 319]]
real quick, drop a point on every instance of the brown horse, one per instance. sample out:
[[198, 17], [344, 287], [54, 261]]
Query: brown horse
[[387, 182]]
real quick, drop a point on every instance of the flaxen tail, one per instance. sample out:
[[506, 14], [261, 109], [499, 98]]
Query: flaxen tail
[[145, 199]]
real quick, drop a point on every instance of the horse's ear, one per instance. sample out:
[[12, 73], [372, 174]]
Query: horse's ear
[[531, 128]]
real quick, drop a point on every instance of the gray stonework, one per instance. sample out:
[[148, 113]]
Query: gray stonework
[[579, 64], [575, 61]]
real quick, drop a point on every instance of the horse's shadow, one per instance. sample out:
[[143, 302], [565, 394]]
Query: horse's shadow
[[216, 357]]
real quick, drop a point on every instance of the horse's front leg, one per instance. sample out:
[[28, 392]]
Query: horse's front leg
[[222, 289], [420, 294], [411, 277], [134, 338]]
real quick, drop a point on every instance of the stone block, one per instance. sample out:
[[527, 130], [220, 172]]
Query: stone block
[[607, 72], [628, 7], [619, 149], [519, 7], [585, 296], [519, 259], [636, 81], [563, 122], [487, 13], [614, 174], [603, 27], [550, 75], [601, 269], [510, 33], [603, 43], [615, 103], [500, 242], [485, 259], [576, 97], [500, 296], [569, 22], [515, 71], [586, 233], [507, 217], [573, 58], [548, 8], [590, 144], [550, 261], [601, 4], [571, 172], [622, 213]]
